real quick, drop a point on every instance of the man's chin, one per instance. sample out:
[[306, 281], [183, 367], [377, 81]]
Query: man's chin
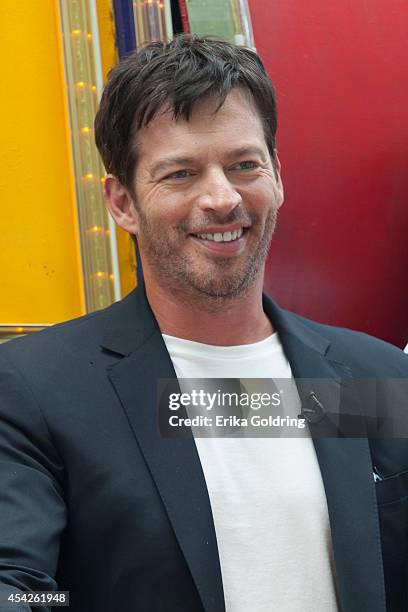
[[221, 289]]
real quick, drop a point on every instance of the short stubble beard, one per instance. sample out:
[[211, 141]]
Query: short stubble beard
[[177, 276]]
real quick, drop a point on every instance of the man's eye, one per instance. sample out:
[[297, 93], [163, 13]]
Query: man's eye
[[180, 174], [246, 165]]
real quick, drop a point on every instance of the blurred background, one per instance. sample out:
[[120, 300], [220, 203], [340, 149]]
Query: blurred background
[[340, 69]]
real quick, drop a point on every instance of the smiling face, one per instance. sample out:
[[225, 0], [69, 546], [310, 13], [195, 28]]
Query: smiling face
[[206, 198]]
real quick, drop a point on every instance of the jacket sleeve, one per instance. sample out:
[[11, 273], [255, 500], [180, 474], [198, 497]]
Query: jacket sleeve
[[32, 507]]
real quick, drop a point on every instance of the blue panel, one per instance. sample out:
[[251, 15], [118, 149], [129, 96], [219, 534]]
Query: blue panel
[[125, 27]]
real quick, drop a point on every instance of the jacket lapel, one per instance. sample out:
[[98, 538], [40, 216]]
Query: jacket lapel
[[345, 464], [174, 463]]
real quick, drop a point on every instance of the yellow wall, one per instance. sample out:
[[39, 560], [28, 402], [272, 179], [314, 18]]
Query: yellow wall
[[41, 279]]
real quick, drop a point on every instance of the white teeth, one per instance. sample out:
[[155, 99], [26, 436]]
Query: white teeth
[[225, 237]]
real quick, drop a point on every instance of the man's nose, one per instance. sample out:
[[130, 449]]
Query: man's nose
[[217, 193]]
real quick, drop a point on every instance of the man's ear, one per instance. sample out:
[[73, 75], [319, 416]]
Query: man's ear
[[120, 204], [277, 169]]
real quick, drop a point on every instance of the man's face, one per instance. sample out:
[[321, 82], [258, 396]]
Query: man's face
[[206, 195]]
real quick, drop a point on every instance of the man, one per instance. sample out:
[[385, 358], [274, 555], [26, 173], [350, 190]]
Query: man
[[94, 500]]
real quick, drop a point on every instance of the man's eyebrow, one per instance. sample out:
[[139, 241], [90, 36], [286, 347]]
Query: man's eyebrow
[[246, 150], [169, 162]]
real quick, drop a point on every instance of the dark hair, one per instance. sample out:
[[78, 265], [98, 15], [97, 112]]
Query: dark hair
[[175, 75]]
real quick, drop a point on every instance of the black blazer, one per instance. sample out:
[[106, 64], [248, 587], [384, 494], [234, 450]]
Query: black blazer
[[93, 500]]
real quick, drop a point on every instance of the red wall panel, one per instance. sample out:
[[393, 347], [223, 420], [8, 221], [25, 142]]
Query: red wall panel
[[340, 254]]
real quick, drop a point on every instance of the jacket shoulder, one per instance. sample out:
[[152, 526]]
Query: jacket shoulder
[[73, 336], [371, 355]]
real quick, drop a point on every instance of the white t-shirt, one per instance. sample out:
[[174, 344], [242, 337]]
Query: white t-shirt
[[267, 497]]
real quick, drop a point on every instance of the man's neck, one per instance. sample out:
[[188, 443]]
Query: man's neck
[[227, 322]]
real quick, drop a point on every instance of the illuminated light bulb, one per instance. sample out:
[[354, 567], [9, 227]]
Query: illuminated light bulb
[[19, 330], [80, 84], [93, 87], [100, 274], [89, 36], [85, 130], [102, 179], [89, 176], [111, 276], [76, 32], [96, 228]]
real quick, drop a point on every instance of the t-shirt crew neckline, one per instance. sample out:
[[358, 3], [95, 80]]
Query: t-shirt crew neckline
[[238, 351]]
